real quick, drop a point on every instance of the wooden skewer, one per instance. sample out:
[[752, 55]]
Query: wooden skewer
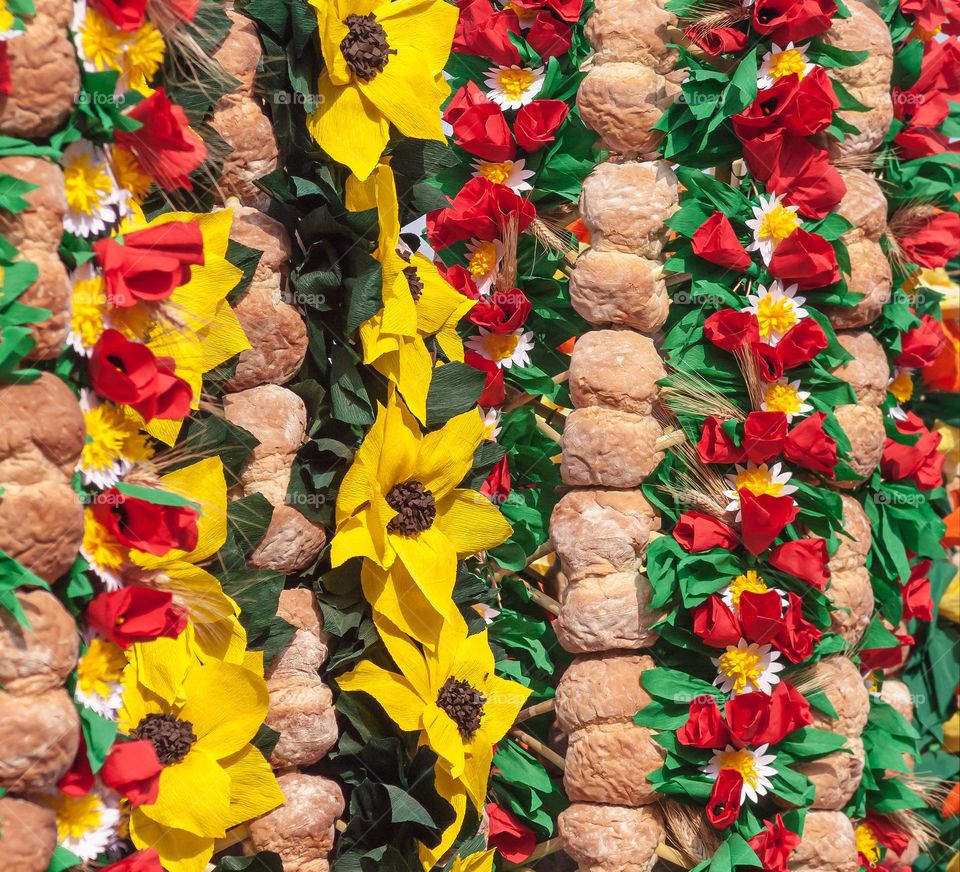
[[535, 745], [662, 443], [541, 708], [665, 852], [540, 598]]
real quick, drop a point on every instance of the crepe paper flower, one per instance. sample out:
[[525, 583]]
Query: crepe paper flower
[[748, 582], [777, 309], [88, 312], [104, 554], [102, 45], [504, 349], [786, 396], [758, 479], [509, 835], [141, 861], [483, 262], [114, 442], [747, 667], [482, 861], [383, 66], [772, 223], [777, 62], [200, 718], [514, 86], [752, 763], [11, 26], [400, 502], [135, 614], [512, 173], [901, 386], [93, 197], [418, 303], [196, 326], [139, 523], [132, 769], [868, 846], [99, 678], [213, 614], [452, 697], [491, 423], [87, 825], [134, 182]]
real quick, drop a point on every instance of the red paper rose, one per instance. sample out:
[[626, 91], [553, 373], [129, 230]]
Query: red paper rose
[[141, 861], [773, 845], [537, 123], [565, 10], [482, 210], [716, 446], [146, 526], [763, 435], [761, 615], [888, 833], [801, 343], [79, 779], [805, 259], [484, 32], [549, 37], [126, 15], [933, 240], [920, 462], [761, 719], [151, 263], [716, 241], [797, 636], [135, 614], [501, 311], [921, 345], [729, 329], [479, 125], [704, 727], [717, 40], [805, 559], [164, 146], [715, 624], [494, 391], [886, 658], [723, 807], [801, 107], [809, 446], [913, 143], [129, 373], [509, 835], [698, 532], [916, 594], [497, 484], [133, 770], [792, 20], [764, 518]]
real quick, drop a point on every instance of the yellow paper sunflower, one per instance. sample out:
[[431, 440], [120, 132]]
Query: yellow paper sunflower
[[418, 303], [383, 65], [400, 503], [200, 718], [452, 697]]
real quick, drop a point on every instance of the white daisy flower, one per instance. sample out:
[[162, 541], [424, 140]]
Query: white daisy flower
[[511, 173], [777, 309], [779, 62], [748, 582], [488, 613], [786, 397], [93, 197], [87, 826], [752, 763], [772, 222], [8, 21], [514, 86], [747, 667], [758, 479], [100, 678], [491, 423], [483, 262], [504, 349]]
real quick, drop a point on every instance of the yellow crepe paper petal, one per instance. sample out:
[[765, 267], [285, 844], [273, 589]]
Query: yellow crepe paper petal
[[393, 692], [179, 850], [194, 796]]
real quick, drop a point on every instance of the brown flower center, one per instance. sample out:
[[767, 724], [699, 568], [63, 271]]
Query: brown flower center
[[365, 47], [415, 507], [171, 737], [464, 704], [414, 281]]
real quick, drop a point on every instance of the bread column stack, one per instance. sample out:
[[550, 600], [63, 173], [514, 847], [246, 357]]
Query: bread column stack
[[301, 705], [612, 441]]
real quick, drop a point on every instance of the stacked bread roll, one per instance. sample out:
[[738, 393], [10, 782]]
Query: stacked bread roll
[[612, 441]]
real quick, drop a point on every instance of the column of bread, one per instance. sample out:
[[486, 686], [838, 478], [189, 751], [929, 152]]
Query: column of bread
[[828, 839], [600, 528], [302, 830]]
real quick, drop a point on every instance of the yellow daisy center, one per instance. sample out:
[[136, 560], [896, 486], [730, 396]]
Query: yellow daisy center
[[129, 174], [778, 223], [102, 43], [6, 17], [497, 173], [758, 481], [86, 317], [482, 260], [786, 63], [499, 346], [782, 398], [144, 55], [101, 666], [76, 815], [743, 762], [744, 667], [103, 550], [775, 316], [514, 83], [111, 435], [749, 582], [867, 844], [87, 183], [902, 387]]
